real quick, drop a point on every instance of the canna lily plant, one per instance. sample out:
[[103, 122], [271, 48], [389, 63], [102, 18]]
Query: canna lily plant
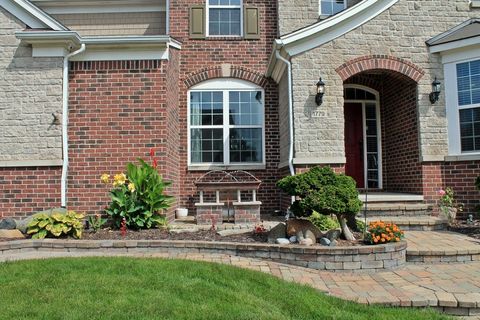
[[138, 197]]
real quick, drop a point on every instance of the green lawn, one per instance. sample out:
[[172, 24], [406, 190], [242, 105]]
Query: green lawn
[[128, 288]]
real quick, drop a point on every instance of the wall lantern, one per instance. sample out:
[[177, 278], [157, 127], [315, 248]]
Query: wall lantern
[[435, 94], [320, 92]]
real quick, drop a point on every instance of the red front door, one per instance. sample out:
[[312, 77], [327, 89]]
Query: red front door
[[354, 142]]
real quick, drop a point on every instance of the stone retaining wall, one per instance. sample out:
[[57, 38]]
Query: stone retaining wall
[[354, 259]]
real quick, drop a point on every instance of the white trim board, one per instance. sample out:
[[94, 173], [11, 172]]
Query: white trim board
[[31, 15], [30, 163]]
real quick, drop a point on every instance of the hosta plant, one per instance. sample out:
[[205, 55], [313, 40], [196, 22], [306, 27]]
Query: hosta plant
[[138, 196], [56, 225], [381, 232]]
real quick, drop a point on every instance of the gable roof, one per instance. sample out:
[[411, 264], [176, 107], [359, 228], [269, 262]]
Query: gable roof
[[327, 30], [466, 33], [31, 15]]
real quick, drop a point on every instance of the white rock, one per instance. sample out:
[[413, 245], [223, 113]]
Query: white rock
[[282, 241], [293, 239], [306, 242]]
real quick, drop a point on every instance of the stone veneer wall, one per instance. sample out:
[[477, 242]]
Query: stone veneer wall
[[30, 91], [296, 14], [349, 259]]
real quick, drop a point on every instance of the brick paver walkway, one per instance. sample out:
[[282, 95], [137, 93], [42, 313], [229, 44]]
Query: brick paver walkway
[[441, 243]]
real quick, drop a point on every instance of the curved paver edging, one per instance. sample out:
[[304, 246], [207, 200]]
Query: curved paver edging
[[360, 258]]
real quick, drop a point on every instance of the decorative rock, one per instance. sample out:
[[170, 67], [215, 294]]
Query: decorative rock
[[293, 239], [282, 241], [295, 225], [8, 224], [306, 242], [279, 231], [11, 234], [299, 236], [333, 234], [310, 235], [333, 243], [325, 242]]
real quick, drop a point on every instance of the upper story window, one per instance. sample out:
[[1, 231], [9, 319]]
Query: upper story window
[[224, 18], [331, 7], [226, 123]]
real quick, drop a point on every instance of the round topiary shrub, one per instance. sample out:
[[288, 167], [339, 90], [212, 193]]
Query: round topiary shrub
[[323, 191]]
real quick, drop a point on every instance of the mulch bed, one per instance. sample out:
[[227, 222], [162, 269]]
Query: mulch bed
[[471, 230], [202, 235]]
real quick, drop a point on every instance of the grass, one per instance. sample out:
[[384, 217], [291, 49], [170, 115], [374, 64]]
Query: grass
[[128, 288]]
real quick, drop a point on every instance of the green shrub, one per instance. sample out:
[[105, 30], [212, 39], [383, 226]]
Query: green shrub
[[324, 222], [96, 222], [56, 225], [323, 191], [138, 197]]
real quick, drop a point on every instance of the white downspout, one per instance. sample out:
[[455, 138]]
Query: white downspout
[[65, 124], [290, 113]]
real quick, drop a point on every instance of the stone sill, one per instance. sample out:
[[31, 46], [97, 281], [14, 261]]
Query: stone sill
[[226, 168], [475, 3], [209, 204], [463, 157], [31, 163], [250, 203]]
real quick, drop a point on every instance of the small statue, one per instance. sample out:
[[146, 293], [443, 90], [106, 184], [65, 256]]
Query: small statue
[[470, 219]]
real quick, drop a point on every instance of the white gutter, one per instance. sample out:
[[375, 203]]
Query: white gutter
[[65, 124], [290, 111]]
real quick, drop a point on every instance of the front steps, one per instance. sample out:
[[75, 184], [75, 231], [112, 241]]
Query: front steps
[[407, 211]]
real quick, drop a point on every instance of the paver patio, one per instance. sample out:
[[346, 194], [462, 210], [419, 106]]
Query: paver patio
[[453, 287]]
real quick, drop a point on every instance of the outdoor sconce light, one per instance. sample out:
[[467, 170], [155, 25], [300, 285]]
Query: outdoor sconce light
[[435, 94], [320, 92]]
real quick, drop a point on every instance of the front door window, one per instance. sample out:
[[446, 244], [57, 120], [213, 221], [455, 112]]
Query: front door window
[[362, 138]]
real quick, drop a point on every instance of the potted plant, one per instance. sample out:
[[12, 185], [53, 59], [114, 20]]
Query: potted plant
[[448, 205]]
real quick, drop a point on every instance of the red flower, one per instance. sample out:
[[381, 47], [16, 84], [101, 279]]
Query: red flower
[[155, 164], [152, 152]]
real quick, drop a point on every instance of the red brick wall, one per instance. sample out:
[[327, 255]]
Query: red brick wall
[[460, 176], [401, 154], [118, 111], [27, 190], [249, 55]]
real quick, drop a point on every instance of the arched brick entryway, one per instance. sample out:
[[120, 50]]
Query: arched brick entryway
[[379, 62], [396, 82]]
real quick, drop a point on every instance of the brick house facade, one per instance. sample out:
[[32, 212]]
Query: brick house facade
[[130, 90]]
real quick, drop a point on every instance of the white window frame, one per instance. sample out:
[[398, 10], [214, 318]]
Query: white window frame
[[225, 85], [208, 6], [451, 100], [328, 14]]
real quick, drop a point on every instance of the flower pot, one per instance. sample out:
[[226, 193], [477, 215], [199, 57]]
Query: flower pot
[[181, 213]]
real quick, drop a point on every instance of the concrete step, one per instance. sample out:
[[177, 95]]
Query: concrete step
[[397, 209], [420, 223]]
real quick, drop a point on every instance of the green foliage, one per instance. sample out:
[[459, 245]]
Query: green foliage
[[324, 222], [139, 198], [322, 190], [360, 225], [96, 222], [56, 225]]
